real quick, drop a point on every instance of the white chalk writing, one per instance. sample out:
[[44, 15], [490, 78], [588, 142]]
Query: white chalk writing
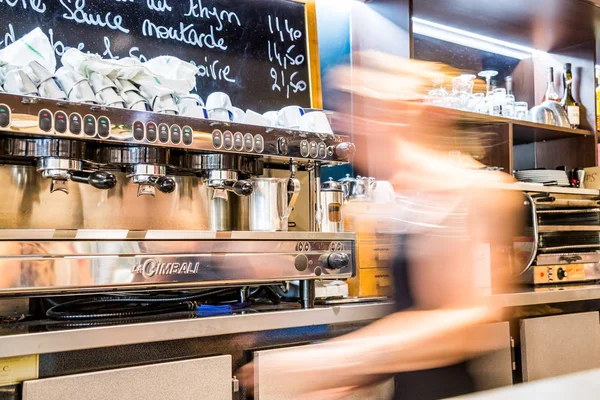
[[284, 54], [197, 10], [36, 5], [185, 34], [80, 16], [158, 5], [214, 70]]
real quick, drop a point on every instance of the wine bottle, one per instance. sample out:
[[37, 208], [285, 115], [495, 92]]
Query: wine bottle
[[551, 94], [568, 102]]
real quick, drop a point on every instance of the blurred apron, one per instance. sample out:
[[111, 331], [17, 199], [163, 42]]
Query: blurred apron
[[439, 383]]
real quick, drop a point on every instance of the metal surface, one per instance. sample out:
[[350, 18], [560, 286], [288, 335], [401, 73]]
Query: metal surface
[[88, 265], [16, 344], [270, 205], [194, 133], [558, 345], [332, 199], [108, 336], [212, 379], [550, 294]]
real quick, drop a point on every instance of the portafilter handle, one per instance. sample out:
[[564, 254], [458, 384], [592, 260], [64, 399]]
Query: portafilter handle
[[165, 184], [99, 179], [242, 188]]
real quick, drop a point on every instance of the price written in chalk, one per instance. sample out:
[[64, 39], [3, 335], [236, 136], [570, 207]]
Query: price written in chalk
[[285, 58]]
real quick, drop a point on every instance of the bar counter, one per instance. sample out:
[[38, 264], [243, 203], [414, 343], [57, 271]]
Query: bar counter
[[16, 343]]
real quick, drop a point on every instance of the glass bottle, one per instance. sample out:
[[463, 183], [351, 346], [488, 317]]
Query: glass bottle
[[568, 101], [551, 94]]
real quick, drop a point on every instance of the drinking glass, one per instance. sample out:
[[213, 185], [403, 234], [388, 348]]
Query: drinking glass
[[438, 95], [498, 101], [475, 102], [487, 75], [521, 110]]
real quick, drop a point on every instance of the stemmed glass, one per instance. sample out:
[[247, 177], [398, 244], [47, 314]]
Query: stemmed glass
[[487, 75]]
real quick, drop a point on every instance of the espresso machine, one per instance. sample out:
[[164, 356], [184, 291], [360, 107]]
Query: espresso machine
[[99, 199]]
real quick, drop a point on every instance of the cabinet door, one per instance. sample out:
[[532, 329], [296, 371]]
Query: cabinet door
[[558, 345], [203, 378], [271, 389], [494, 369]]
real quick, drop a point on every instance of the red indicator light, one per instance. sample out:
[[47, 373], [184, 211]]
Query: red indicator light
[[61, 117]]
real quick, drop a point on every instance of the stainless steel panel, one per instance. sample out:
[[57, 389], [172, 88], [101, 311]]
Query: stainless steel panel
[[580, 386], [118, 335], [24, 121], [205, 378], [272, 389], [63, 265], [558, 345], [28, 204], [494, 369]]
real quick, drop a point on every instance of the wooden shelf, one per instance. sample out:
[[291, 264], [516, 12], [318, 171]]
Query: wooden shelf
[[523, 131], [529, 132]]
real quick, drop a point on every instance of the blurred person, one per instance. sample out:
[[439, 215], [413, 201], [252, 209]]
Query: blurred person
[[449, 206]]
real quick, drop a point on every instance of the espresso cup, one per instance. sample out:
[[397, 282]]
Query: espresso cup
[[238, 115], [220, 114], [271, 116], [254, 118], [218, 100], [289, 117], [315, 121]]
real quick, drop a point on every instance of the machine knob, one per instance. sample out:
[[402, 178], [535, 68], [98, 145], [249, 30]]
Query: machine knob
[[561, 274], [99, 179], [166, 184], [335, 261], [344, 151], [243, 188]]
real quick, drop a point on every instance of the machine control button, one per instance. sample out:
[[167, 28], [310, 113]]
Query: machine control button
[[227, 140], [318, 271], [45, 120], [60, 122], [259, 144], [248, 142], [4, 115], [335, 260], [89, 125], [151, 132], [217, 139], [188, 135], [75, 124], [138, 130], [304, 148], [163, 133], [238, 141], [313, 149], [175, 134], [301, 262], [103, 127], [562, 274], [282, 146], [322, 150]]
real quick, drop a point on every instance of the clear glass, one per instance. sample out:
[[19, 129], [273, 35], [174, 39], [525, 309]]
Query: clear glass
[[438, 95], [488, 75], [521, 110], [475, 102]]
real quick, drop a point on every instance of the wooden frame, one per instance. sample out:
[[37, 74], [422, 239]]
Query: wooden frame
[[312, 42]]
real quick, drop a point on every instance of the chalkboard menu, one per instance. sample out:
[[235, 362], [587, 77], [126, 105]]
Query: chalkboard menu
[[257, 51]]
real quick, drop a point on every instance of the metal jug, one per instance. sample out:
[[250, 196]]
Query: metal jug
[[332, 198], [271, 203]]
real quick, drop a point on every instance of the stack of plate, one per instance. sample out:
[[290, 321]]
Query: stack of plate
[[546, 176]]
